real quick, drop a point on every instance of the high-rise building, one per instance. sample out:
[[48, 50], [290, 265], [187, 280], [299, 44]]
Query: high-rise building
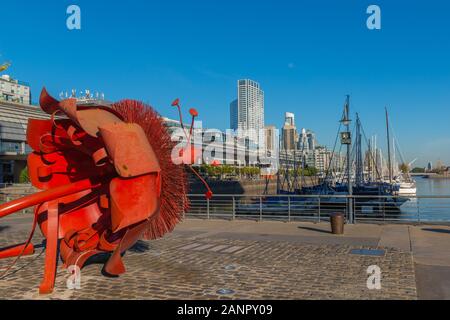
[[289, 132], [250, 109], [322, 157], [234, 111], [289, 118], [271, 138], [13, 90], [311, 140]]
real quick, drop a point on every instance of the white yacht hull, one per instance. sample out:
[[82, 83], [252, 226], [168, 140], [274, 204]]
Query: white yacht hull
[[407, 189]]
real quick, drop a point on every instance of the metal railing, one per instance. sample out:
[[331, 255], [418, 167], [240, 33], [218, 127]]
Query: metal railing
[[414, 209], [314, 208]]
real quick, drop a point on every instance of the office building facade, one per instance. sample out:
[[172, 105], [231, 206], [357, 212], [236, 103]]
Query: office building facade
[[247, 112], [289, 132], [15, 91]]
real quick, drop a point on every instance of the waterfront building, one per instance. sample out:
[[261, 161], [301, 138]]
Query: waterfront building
[[13, 148], [86, 98], [13, 141], [289, 133], [271, 142], [15, 91], [289, 118], [311, 140], [291, 159], [302, 143], [439, 165], [225, 147], [322, 157], [247, 114], [234, 111]]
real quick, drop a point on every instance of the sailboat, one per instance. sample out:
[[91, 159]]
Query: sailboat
[[403, 180], [371, 193], [407, 188], [367, 192]]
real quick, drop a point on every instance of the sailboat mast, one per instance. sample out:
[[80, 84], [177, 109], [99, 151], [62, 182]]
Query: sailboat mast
[[389, 147], [359, 175], [394, 162], [369, 160], [374, 159]]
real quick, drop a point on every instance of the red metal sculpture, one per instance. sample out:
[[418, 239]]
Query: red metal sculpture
[[107, 180]]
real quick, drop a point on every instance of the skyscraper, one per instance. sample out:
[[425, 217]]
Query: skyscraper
[[290, 136], [311, 140], [271, 138], [249, 110], [289, 118], [234, 121]]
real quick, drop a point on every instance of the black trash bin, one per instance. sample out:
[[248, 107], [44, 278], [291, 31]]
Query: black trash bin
[[337, 221]]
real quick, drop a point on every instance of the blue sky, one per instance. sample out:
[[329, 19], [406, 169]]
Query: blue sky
[[307, 55]]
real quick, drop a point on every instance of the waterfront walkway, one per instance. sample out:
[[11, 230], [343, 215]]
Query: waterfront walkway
[[255, 260]]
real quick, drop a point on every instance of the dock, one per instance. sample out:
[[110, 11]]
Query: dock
[[216, 259]]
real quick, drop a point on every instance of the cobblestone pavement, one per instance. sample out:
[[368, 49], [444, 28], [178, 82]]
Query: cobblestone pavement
[[185, 266]]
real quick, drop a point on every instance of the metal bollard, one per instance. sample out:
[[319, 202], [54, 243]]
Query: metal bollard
[[337, 223]]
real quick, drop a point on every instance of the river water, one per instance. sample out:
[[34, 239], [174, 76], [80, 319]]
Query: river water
[[432, 187], [429, 209]]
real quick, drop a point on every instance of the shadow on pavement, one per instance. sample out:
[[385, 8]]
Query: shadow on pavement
[[315, 229], [2, 228], [140, 246], [436, 230]]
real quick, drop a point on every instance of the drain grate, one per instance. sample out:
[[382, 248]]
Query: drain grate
[[225, 292], [230, 267], [368, 252]]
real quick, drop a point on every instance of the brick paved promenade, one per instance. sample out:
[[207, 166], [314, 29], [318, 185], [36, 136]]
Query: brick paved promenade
[[267, 260]]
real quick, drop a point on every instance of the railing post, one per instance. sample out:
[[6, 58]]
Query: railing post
[[234, 209], [207, 209], [260, 208], [347, 215], [289, 209], [349, 208], [418, 210], [319, 207]]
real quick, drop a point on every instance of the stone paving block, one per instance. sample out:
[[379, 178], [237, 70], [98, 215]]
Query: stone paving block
[[232, 249], [218, 248], [203, 247], [268, 270], [191, 246]]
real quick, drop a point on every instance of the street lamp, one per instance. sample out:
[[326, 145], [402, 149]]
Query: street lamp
[[346, 139]]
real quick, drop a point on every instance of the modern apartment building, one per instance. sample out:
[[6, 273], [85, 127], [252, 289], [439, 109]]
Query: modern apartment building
[[234, 111], [271, 136], [13, 141], [13, 147], [13, 90], [247, 112], [289, 132]]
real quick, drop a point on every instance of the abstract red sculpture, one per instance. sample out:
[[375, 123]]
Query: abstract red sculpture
[[107, 180]]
